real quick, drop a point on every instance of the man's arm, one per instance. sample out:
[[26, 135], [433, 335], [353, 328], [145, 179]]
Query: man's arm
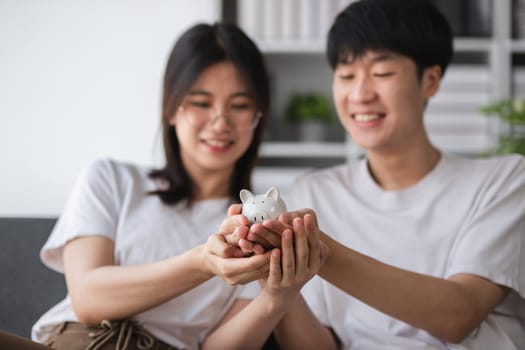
[[450, 309]]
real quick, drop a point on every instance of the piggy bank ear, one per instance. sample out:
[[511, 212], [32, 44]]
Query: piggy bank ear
[[245, 196], [273, 192]]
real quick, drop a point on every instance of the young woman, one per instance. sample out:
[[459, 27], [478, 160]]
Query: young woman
[[132, 241]]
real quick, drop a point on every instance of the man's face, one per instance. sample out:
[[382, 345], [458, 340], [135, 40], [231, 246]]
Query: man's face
[[380, 100]]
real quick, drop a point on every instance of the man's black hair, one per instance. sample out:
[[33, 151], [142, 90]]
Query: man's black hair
[[414, 28]]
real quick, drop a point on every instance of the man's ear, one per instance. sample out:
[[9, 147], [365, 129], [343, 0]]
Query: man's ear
[[431, 80]]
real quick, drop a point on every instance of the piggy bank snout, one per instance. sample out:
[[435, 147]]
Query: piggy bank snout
[[255, 213], [257, 216]]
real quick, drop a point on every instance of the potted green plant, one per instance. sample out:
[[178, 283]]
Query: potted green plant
[[512, 115], [310, 112]]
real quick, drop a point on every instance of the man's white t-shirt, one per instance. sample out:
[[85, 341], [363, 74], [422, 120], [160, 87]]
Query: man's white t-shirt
[[110, 199], [465, 216]]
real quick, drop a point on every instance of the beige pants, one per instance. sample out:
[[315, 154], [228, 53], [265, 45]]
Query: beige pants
[[109, 335], [14, 342]]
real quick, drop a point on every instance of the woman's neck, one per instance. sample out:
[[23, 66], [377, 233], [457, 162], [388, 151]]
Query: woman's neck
[[211, 184]]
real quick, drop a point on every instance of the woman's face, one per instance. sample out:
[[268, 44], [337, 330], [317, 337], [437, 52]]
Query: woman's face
[[214, 123]]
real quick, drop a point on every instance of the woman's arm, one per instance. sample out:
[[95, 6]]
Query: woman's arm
[[100, 290], [301, 329]]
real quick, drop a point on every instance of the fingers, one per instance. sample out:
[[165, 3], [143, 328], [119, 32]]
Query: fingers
[[275, 274], [217, 245], [243, 270], [301, 251], [234, 230], [258, 249], [262, 235], [238, 239], [238, 234], [232, 222], [312, 233], [234, 209], [288, 259], [248, 247], [276, 226], [287, 217], [301, 247]]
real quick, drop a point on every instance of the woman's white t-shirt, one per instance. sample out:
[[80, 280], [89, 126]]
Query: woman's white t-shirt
[[110, 199], [465, 216]]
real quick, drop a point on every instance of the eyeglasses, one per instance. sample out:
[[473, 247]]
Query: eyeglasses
[[242, 116]]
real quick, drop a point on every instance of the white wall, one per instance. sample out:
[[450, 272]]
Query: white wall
[[81, 79]]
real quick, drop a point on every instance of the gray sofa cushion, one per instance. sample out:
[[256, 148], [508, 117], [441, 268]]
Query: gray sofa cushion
[[27, 287]]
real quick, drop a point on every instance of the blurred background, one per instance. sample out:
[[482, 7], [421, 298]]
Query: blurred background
[[81, 79]]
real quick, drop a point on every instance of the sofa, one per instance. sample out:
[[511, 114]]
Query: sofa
[[27, 287]]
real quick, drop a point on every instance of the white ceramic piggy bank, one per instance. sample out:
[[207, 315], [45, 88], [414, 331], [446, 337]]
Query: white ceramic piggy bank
[[260, 207]]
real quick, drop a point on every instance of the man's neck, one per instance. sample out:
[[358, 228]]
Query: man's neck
[[399, 170]]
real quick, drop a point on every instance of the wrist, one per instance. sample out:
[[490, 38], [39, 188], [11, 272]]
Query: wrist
[[277, 304], [201, 262]]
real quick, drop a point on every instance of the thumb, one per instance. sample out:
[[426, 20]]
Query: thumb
[[234, 209]]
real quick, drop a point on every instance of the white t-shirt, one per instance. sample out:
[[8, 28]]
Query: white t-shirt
[[110, 199], [465, 216]]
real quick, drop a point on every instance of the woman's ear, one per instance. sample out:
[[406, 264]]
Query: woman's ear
[[173, 119], [431, 80]]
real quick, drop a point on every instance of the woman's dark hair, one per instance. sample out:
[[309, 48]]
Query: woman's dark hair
[[197, 49], [414, 28]]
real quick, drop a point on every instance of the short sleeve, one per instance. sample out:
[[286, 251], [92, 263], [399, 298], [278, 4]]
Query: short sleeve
[[91, 209], [313, 293], [292, 195], [492, 242]]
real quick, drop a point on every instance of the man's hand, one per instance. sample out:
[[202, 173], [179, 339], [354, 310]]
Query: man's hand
[[287, 217], [269, 233], [273, 229], [295, 263]]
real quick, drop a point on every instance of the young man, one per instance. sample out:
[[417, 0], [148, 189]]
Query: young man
[[427, 250]]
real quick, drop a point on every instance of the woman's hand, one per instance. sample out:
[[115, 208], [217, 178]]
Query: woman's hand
[[226, 261], [235, 229]]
